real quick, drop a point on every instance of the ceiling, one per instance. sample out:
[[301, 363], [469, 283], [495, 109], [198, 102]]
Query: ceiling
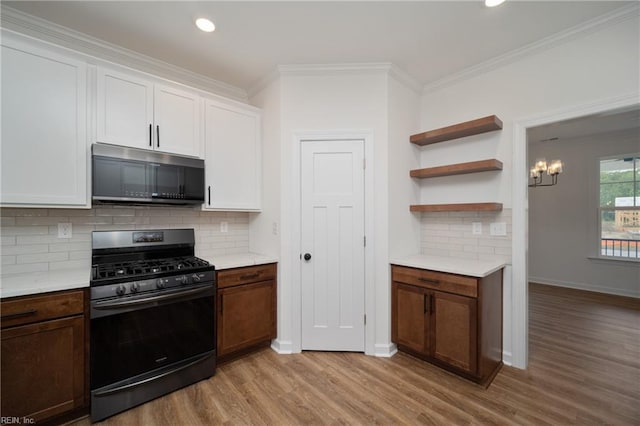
[[597, 124], [429, 40]]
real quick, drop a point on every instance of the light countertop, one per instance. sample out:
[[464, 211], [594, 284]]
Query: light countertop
[[452, 265], [44, 282], [241, 259], [12, 285]]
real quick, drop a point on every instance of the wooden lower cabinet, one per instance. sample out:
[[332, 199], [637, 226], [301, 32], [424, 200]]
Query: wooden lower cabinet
[[246, 309], [459, 329], [43, 356]]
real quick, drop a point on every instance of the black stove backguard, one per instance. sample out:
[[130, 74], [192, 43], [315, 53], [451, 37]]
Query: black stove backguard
[[152, 318]]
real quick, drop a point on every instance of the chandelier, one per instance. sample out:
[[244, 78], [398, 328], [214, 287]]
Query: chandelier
[[552, 169]]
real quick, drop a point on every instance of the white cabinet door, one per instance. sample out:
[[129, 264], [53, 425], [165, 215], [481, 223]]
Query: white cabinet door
[[138, 113], [233, 157], [44, 141], [177, 121], [124, 110]]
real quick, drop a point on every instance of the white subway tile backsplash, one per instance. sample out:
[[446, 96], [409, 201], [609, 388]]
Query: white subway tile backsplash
[[70, 247], [40, 220], [25, 268], [30, 240], [7, 241], [7, 221], [42, 257], [24, 230], [71, 264], [450, 234], [25, 249]]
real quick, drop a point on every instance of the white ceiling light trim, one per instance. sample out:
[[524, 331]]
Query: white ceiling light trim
[[205, 25], [493, 3]]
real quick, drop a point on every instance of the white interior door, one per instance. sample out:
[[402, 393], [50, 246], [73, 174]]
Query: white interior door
[[332, 241]]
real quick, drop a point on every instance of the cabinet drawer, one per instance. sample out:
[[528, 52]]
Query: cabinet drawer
[[29, 309], [246, 275], [450, 283]]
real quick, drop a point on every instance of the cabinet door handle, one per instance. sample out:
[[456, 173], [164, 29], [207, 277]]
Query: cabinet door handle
[[209, 191], [150, 135], [427, 280], [158, 135], [19, 314], [424, 303]]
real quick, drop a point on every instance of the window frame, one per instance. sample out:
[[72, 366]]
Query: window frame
[[601, 209]]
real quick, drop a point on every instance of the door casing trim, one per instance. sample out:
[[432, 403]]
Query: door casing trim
[[369, 282]]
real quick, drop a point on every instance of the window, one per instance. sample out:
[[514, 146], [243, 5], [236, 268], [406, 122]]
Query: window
[[620, 207]]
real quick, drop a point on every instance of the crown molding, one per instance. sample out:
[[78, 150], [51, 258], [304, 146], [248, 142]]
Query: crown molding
[[263, 82], [405, 78], [382, 68], [609, 19], [32, 26], [335, 69]]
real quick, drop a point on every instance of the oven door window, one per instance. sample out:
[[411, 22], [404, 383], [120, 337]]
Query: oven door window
[[127, 344]]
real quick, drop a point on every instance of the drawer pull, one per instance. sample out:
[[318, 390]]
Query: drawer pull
[[250, 276], [19, 314], [427, 280]]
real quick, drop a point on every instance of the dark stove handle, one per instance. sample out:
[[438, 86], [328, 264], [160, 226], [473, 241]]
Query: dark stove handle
[[127, 303]]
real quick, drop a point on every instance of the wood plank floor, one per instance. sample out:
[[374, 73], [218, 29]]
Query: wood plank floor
[[584, 369]]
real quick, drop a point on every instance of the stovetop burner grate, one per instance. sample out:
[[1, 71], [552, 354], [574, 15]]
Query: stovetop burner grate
[[139, 268]]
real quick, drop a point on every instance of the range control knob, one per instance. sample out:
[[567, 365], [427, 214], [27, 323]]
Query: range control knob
[[195, 278], [160, 283], [120, 290], [134, 287], [183, 280]]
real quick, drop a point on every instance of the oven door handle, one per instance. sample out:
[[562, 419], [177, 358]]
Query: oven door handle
[[123, 388], [145, 301]]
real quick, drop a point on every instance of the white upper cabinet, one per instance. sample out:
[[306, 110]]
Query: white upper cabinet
[[124, 110], [177, 119], [233, 157], [44, 126], [140, 113]]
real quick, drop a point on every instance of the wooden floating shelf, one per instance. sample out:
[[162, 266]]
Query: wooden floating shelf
[[459, 207], [461, 130], [457, 169]]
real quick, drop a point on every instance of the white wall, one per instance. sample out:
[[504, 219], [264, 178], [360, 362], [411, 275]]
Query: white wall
[[404, 226], [361, 100], [563, 226], [404, 116], [265, 226], [600, 64], [334, 102]]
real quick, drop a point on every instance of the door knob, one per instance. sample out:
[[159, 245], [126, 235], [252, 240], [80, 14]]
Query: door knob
[[307, 256]]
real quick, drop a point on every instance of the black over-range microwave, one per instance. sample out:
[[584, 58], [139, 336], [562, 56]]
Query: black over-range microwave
[[129, 175]]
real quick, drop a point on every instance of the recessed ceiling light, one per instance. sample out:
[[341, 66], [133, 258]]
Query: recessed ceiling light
[[493, 3], [205, 25]]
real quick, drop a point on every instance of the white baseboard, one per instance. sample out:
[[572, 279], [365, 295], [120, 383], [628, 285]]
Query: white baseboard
[[586, 287], [507, 358], [385, 350], [283, 347]]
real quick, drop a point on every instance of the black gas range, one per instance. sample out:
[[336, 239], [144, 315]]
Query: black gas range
[[152, 317]]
